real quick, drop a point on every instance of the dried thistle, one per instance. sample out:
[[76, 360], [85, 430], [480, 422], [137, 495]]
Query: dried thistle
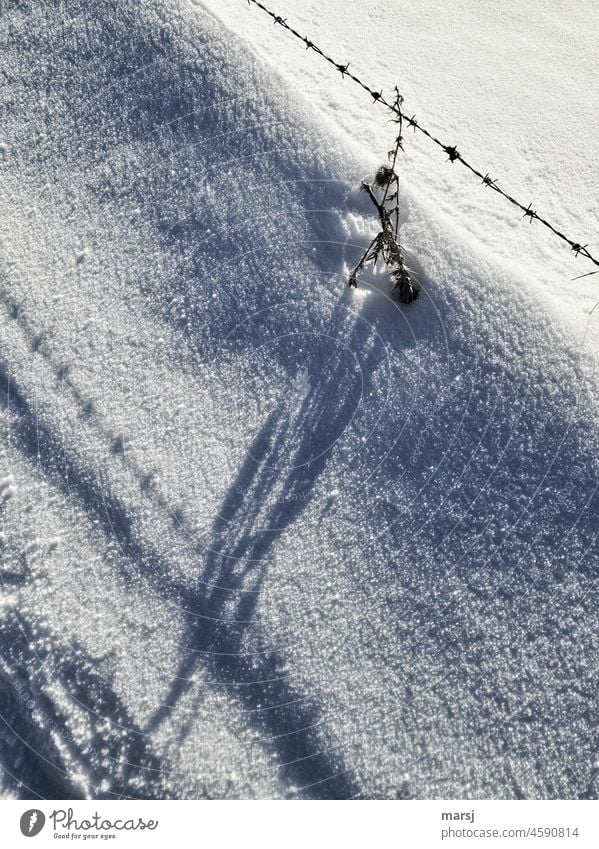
[[386, 243], [383, 176]]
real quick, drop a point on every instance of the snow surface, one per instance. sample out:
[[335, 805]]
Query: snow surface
[[261, 535], [510, 84]]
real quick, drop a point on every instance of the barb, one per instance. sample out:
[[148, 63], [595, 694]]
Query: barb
[[452, 152]]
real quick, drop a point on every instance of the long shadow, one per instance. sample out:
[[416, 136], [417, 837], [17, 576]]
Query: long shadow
[[272, 488], [266, 497]]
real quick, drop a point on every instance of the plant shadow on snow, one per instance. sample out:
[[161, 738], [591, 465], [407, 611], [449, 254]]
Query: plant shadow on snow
[[288, 454], [219, 611], [271, 490], [165, 114]]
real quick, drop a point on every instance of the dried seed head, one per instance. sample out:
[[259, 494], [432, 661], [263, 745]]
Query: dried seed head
[[383, 176]]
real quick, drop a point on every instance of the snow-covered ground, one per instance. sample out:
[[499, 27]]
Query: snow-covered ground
[[261, 535], [510, 84]]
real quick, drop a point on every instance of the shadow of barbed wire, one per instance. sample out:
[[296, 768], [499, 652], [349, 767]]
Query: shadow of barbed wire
[[272, 488], [94, 748]]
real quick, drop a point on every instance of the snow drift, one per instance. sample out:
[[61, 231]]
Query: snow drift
[[263, 536]]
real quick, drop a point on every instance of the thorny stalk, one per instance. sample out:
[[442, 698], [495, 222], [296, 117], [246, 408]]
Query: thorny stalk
[[386, 244]]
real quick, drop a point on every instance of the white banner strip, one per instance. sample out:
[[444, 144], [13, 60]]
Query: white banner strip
[[316, 825]]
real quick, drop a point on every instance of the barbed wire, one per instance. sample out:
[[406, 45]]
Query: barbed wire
[[453, 154]]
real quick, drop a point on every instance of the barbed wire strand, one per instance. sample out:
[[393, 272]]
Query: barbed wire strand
[[452, 152]]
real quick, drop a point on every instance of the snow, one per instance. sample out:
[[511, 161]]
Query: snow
[[508, 84], [264, 536]]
